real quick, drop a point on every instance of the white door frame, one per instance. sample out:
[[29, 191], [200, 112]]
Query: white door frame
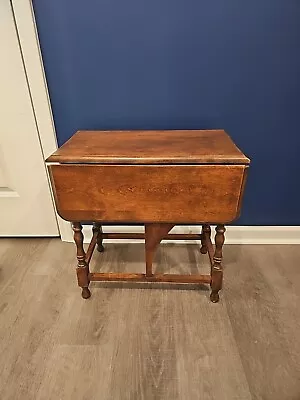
[[35, 74]]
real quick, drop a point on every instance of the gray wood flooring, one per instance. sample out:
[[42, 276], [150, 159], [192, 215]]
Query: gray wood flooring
[[130, 342]]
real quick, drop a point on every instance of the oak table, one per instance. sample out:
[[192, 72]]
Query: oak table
[[156, 178]]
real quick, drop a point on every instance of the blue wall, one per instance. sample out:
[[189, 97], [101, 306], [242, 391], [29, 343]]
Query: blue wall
[[166, 64]]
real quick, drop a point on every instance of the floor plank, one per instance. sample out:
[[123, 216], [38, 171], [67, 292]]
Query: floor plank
[[263, 307], [131, 342]]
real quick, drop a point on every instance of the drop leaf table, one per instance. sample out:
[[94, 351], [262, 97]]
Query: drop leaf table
[[156, 178]]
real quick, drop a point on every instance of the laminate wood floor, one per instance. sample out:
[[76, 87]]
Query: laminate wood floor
[[130, 342]]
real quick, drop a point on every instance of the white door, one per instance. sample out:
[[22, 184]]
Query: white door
[[26, 207]]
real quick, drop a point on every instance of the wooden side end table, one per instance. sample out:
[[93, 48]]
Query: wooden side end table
[[157, 178]]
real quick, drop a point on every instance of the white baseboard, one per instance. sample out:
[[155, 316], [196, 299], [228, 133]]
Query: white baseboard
[[234, 234]]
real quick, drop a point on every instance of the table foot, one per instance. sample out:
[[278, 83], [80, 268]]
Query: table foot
[[214, 297], [100, 248], [85, 294]]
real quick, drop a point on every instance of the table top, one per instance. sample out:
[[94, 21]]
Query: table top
[[150, 147]]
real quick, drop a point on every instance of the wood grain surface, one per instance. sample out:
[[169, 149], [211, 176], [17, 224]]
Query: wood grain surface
[[150, 147], [130, 343], [148, 193]]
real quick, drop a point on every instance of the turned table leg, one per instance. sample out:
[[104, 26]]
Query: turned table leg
[[98, 228], [205, 230], [217, 268], [82, 269]]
